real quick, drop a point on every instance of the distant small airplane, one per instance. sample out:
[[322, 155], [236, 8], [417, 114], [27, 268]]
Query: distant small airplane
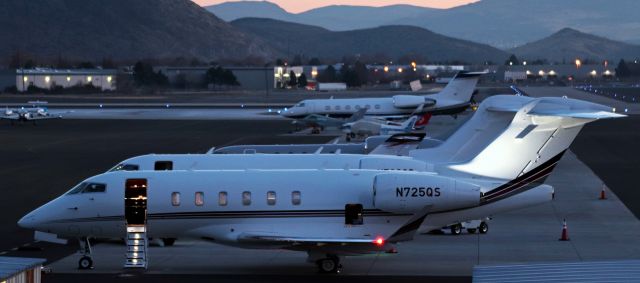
[[29, 114], [375, 127], [319, 122]]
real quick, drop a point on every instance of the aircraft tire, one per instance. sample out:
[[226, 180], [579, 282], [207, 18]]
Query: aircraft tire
[[329, 265], [456, 229], [168, 242], [484, 228], [85, 262]]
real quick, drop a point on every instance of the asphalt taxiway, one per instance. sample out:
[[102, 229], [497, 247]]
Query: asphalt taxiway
[[41, 162]]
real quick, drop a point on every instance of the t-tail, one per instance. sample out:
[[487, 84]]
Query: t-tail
[[409, 124], [514, 137], [458, 91]]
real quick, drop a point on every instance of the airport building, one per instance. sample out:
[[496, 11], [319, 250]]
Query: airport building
[[45, 78], [20, 270], [547, 72], [250, 78]]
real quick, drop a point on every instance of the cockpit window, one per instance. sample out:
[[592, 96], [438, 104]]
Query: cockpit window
[[301, 104], [125, 167], [87, 188]]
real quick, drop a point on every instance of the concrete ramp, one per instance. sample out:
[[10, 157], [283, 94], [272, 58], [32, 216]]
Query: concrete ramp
[[587, 271]]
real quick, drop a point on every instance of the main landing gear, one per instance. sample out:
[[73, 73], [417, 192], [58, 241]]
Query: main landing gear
[[85, 262], [329, 264]]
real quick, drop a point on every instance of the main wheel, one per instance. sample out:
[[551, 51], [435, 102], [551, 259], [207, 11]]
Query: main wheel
[[456, 229], [484, 228], [168, 241], [85, 262], [329, 265]]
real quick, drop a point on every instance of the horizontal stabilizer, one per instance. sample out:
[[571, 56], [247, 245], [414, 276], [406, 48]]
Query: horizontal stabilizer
[[576, 114]]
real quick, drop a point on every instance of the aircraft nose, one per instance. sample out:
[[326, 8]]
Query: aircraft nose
[[29, 221]]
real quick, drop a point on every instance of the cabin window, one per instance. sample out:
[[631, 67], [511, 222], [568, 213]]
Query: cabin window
[[296, 198], [367, 106], [337, 107], [353, 214], [163, 166], [271, 198], [377, 106], [199, 198], [300, 105], [222, 198], [175, 198], [246, 198], [327, 108], [348, 107]]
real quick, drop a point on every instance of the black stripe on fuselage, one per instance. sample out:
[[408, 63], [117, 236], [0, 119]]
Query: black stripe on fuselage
[[241, 214], [523, 183]]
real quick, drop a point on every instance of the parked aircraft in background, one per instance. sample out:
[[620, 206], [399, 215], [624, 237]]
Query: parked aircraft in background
[[510, 145], [453, 99], [374, 127], [29, 114], [320, 122]]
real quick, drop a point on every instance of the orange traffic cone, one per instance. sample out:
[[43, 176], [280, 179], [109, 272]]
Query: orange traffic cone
[[603, 194], [565, 232]]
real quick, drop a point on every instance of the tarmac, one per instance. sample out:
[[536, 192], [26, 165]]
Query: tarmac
[[43, 161]]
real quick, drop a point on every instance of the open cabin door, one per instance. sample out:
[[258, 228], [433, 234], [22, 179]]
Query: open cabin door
[[135, 212]]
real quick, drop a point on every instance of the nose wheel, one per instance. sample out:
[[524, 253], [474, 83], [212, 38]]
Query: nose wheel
[[85, 262]]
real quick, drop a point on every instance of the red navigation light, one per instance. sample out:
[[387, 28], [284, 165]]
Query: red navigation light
[[379, 241]]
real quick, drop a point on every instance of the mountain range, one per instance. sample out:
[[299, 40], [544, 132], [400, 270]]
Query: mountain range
[[380, 42], [120, 30], [501, 23], [569, 44]]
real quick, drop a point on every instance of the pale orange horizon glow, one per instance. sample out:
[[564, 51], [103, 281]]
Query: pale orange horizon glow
[[297, 6]]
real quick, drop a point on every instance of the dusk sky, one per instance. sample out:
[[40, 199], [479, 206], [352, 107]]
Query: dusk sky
[[297, 6]]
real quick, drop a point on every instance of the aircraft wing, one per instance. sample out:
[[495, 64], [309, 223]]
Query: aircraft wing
[[10, 117], [399, 144], [38, 117]]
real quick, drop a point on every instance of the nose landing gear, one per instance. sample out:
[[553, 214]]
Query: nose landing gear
[[85, 262]]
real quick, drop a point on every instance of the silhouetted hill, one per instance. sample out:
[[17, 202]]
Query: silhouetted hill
[[120, 29], [569, 44], [394, 41], [501, 23]]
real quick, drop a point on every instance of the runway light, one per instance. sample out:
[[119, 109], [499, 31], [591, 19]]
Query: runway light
[[167, 105], [626, 110], [269, 110], [100, 105]]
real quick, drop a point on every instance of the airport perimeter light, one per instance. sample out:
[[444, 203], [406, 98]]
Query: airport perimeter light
[[578, 63]]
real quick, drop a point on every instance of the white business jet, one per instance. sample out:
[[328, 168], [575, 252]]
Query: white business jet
[[453, 99], [495, 162]]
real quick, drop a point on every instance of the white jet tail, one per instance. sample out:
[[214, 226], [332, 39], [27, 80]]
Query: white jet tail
[[458, 91], [514, 137]]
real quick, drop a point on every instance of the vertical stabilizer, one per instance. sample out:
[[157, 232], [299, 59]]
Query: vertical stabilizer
[[510, 136]]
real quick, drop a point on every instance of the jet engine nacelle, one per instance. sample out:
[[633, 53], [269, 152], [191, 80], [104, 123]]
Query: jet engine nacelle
[[410, 193], [408, 101]]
